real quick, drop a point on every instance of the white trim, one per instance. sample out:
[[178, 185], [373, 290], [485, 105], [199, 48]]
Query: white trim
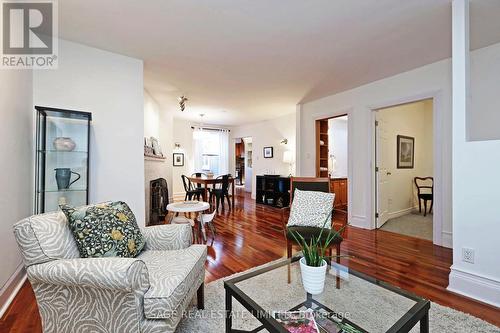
[[447, 239], [469, 284], [437, 101], [401, 212], [11, 288], [298, 115], [358, 221]]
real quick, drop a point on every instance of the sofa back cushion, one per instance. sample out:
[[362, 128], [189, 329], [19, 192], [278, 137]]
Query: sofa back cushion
[[311, 209], [45, 237], [105, 230]]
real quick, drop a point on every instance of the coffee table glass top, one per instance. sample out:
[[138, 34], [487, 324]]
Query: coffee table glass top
[[364, 303]]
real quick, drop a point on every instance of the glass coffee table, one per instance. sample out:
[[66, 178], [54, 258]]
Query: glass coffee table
[[351, 302]]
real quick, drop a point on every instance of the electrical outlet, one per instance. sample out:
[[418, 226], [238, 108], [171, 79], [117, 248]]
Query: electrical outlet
[[468, 255]]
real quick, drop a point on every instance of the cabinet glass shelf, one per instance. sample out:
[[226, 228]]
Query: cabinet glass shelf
[[63, 191], [62, 152], [62, 159]]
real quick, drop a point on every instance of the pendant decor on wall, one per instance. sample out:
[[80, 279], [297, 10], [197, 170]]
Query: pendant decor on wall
[[182, 102]]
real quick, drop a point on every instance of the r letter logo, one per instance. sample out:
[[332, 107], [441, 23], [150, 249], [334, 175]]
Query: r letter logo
[[29, 38]]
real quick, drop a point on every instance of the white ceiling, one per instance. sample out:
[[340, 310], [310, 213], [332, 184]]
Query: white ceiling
[[241, 61]]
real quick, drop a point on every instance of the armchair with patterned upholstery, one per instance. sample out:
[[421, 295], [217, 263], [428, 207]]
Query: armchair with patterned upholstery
[[144, 294], [339, 217]]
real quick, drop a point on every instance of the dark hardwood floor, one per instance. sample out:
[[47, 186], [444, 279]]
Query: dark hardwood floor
[[251, 235]]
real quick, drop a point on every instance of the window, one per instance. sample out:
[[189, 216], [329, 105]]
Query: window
[[211, 151]]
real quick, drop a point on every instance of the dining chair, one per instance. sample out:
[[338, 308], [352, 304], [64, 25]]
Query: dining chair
[[199, 175], [208, 219], [425, 192], [339, 217], [221, 191], [191, 191]]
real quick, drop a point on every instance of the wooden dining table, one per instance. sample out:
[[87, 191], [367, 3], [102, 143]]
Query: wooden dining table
[[206, 181]]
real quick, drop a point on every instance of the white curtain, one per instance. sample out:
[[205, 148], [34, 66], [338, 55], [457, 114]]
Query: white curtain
[[198, 149], [224, 151], [211, 151]]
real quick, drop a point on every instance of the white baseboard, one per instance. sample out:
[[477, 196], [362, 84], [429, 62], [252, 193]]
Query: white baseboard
[[469, 284], [447, 239], [11, 288], [359, 221], [178, 196], [402, 212]]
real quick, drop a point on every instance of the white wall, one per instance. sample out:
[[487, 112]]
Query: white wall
[[267, 133], [111, 87], [337, 145], [476, 180], [483, 115], [248, 167], [158, 122], [183, 134], [16, 163], [414, 120], [427, 81]]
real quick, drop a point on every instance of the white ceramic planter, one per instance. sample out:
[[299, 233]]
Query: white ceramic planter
[[313, 278]]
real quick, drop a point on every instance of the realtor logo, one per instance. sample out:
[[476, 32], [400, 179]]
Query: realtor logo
[[29, 38]]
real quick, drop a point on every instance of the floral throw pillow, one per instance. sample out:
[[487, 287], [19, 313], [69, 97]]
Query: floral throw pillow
[[311, 209], [105, 230]]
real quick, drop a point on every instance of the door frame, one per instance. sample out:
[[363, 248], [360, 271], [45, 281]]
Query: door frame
[[375, 140], [437, 119], [317, 165], [350, 169]]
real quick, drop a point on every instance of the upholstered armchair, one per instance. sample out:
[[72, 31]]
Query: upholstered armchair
[[144, 294]]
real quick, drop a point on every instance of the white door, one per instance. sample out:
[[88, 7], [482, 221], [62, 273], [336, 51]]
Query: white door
[[382, 173]]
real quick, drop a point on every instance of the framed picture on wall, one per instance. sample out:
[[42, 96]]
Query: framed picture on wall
[[268, 152], [178, 159], [406, 152]]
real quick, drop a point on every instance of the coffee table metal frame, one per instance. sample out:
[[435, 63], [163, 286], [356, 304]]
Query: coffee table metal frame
[[418, 312]]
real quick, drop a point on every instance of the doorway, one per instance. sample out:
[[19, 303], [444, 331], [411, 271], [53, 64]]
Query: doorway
[[243, 163], [332, 156], [404, 146]]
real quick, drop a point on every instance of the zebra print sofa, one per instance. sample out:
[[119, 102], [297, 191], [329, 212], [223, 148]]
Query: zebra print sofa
[[148, 293]]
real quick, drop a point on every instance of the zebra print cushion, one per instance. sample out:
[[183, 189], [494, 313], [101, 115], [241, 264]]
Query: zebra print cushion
[[45, 237], [167, 237], [311, 209], [171, 275]]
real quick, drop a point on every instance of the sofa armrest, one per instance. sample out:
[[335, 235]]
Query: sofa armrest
[[125, 274], [167, 237]]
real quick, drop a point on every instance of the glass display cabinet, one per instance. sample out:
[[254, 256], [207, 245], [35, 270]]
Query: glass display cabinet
[[62, 158]]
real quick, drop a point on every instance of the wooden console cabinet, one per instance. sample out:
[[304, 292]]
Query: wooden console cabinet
[[339, 187]]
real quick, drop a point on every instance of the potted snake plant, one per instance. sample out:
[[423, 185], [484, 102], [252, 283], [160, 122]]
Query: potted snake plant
[[313, 264]]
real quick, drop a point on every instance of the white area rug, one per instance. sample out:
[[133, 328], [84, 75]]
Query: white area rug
[[413, 224], [442, 319]]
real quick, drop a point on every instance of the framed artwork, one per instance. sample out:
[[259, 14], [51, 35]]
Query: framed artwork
[[155, 143], [406, 152], [268, 152], [178, 159]]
